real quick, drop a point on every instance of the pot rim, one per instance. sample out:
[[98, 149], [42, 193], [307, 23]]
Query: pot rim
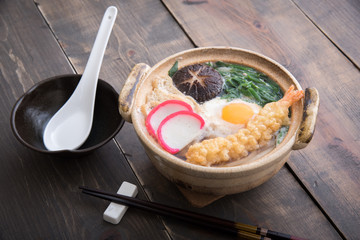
[[242, 169]]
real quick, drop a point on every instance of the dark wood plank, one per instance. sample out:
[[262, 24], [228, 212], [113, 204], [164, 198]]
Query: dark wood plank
[[161, 37], [339, 21], [329, 165], [137, 36], [39, 195]]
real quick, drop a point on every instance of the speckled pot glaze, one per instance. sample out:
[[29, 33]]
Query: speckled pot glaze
[[218, 180]]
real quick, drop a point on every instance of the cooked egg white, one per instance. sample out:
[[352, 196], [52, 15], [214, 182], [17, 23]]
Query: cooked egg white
[[223, 117]]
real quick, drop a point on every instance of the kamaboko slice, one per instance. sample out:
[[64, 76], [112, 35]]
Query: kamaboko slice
[[161, 111], [178, 130]]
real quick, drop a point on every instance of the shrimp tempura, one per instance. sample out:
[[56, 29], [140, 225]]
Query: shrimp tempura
[[257, 133]]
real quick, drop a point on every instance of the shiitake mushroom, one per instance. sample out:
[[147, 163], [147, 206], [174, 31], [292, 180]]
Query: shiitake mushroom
[[199, 81]]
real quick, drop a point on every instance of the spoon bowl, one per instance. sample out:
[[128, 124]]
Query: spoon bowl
[[36, 107]]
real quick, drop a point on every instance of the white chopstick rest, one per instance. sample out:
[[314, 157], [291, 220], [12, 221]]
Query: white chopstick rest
[[115, 211]]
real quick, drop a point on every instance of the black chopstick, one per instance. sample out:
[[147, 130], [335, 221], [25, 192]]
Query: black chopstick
[[239, 229]]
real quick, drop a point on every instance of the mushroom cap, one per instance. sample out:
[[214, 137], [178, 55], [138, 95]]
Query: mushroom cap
[[199, 81]]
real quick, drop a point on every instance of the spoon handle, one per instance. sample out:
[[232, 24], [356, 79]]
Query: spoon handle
[[93, 65]]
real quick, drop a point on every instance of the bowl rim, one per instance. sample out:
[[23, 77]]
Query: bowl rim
[[58, 152], [248, 168]]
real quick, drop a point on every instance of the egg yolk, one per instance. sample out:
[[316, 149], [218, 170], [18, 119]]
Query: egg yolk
[[237, 113]]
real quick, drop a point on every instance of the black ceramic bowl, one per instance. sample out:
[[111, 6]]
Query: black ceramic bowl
[[35, 108]]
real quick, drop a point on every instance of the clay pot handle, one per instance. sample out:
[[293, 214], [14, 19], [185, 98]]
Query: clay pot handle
[[307, 126], [128, 92]]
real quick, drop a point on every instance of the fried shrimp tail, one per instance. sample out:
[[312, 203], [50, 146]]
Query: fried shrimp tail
[[291, 96], [258, 132]]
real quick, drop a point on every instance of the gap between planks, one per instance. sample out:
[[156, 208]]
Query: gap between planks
[[327, 36], [54, 35]]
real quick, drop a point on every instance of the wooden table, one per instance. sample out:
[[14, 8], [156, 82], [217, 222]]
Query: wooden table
[[316, 195]]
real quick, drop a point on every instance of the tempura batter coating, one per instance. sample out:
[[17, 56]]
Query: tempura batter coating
[[257, 133]]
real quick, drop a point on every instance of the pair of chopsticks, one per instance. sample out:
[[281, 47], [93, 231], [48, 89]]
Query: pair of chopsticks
[[243, 231]]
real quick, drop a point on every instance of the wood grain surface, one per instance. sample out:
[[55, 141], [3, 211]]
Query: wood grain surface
[[315, 196], [339, 21], [39, 195]]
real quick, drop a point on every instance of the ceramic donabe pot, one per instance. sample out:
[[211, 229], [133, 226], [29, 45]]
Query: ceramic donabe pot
[[218, 180]]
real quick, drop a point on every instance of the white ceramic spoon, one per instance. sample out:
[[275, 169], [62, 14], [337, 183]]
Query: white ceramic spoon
[[70, 126]]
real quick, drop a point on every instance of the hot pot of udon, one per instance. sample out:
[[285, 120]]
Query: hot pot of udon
[[229, 177]]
